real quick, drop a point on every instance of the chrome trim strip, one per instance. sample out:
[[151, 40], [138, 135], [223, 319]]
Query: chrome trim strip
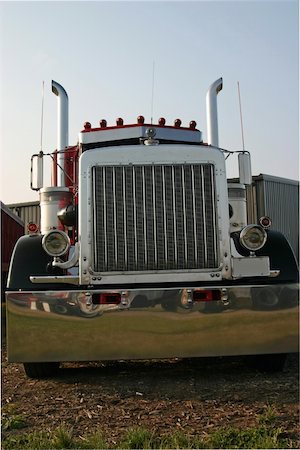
[[162, 276], [68, 279]]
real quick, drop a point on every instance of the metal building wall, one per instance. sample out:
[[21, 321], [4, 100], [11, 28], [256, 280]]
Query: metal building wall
[[28, 212], [277, 198]]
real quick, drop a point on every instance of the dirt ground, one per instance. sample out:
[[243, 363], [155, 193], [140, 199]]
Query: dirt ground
[[194, 396]]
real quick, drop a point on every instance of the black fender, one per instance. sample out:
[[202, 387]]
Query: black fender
[[30, 259], [280, 253]]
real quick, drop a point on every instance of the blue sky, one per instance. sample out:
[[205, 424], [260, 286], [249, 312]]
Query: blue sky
[[103, 53]]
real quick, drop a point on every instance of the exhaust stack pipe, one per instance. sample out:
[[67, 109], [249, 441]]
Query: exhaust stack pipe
[[62, 128], [212, 112]]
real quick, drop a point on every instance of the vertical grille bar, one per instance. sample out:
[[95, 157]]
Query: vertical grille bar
[[134, 214], [115, 214], [109, 212], [130, 225], [174, 217], [125, 219], [194, 214], [104, 219], [95, 225], [204, 217], [170, 232], [213, 208], [144, 209], [179, 217], [184, 215], [154, 217], [164, 214], [160, 238]]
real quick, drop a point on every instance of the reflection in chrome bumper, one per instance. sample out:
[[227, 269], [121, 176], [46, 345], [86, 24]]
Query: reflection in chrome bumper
[[72, 326]]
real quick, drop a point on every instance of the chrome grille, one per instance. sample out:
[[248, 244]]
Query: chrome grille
[[154, 217]]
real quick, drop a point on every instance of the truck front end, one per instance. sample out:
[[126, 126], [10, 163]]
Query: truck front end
[[155, 260]]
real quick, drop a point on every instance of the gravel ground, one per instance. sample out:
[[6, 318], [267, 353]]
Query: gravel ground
[[194, 396]]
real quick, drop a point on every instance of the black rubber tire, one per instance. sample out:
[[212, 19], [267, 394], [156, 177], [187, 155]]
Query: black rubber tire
[[41, 369], [268, 363]]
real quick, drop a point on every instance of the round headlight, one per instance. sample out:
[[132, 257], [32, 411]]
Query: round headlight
[[56, 243], [253, 237]]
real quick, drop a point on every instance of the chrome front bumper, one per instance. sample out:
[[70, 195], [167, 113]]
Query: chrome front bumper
[[68, 326]]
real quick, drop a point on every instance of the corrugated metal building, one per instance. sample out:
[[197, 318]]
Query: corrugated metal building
[[28, 212], [277, 198]]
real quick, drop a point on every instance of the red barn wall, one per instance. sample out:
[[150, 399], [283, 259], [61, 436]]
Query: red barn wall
[[11, 230]]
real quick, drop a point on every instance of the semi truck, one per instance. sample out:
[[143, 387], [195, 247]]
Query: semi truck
[[144, 251]]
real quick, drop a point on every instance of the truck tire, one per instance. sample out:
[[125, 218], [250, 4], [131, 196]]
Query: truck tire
[[41, 369], [268, 363]]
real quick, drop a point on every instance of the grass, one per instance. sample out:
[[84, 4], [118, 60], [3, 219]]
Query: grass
[[262, 436], [265, 435], [10, 419], [268, 416]]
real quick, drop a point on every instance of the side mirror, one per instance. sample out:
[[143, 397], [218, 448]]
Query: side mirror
[[36, 174], [245, 168]]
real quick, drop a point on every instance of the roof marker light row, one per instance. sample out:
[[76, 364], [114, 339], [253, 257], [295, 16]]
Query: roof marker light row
[[141, 121]]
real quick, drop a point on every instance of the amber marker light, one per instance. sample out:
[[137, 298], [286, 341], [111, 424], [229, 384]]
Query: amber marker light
[[87, 126]]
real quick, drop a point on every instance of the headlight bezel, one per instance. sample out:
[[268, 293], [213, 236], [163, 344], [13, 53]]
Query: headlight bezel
[[64, 248], [245, 237]]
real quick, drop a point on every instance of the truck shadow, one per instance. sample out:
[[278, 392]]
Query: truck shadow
[[222, 378]]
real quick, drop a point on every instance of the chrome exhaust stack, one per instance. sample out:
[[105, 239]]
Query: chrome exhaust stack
[[212, 112], [54, 198], [62, 129]]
